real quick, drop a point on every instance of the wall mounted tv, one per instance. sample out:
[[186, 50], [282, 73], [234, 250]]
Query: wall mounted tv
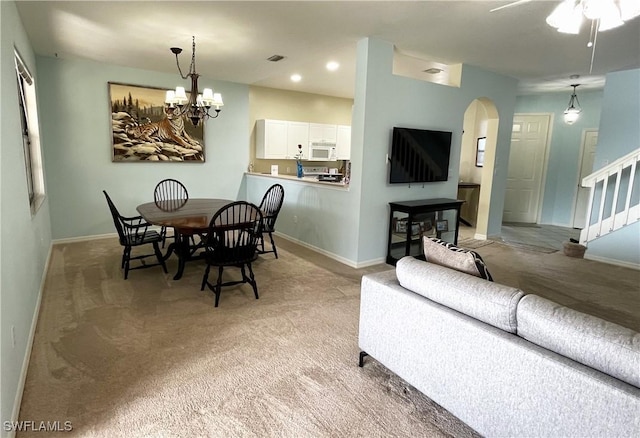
[[419, 155]]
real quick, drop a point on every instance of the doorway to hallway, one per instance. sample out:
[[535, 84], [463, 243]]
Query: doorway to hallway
[[527, 159]]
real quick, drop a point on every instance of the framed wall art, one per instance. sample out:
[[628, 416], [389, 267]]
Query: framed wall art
[[144, 129], [482, 141]]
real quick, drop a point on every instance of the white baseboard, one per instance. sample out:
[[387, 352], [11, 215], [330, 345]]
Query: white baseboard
[[27, 354], [84, 238], [92, 237], [351, 263], [612, 261]]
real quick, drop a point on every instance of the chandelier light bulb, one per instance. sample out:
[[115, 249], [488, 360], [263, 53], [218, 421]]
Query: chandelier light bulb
[[170, 97], [217, 100], [180, 94]]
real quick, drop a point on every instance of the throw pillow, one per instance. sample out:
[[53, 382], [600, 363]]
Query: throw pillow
[[447, 254]]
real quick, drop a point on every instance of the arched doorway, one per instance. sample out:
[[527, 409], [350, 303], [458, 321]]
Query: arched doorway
[[477, 160]]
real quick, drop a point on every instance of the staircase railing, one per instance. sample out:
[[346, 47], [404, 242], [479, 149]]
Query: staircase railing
[[614, 199]]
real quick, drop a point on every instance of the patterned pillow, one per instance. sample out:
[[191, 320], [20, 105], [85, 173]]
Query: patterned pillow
[[447, 254]]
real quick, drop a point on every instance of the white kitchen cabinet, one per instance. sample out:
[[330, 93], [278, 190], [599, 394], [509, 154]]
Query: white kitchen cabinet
[[271, 139], [322, 133], [343, 142], [297, 133], [279, 139]]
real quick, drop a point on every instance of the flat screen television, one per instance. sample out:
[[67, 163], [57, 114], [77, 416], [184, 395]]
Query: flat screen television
[[419, 155]]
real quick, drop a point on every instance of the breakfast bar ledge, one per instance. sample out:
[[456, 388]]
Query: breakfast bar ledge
[[303, 180]]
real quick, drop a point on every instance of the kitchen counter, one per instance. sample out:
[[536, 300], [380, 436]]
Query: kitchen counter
[[303, 180]]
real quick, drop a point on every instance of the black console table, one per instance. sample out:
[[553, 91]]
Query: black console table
[[410, 220]]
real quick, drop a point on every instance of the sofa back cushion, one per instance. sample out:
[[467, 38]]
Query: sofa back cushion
[[600, 344], [488, 302]]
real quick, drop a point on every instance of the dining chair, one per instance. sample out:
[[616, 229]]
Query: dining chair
[[133, 231], [232, 241], [270, 207], [169, 195]]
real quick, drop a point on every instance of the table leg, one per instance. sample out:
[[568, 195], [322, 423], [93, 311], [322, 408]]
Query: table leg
[[182, 251]]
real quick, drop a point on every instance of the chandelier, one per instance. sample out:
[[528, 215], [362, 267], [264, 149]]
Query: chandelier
[[195, 106], [567, 17], [572, 112]]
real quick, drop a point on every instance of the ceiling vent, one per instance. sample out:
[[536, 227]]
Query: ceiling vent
[[275, 58]]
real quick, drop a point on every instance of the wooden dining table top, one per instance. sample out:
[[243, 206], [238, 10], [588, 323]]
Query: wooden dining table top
[[190, 214]]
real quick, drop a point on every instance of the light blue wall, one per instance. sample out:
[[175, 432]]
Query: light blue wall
[[78, 150], [383, 101], [24, 240], [319, 216], [564, 154], [620, 122], [619, 135]]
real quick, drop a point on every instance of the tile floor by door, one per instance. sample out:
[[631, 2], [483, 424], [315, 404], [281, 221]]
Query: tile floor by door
[[546, 236]]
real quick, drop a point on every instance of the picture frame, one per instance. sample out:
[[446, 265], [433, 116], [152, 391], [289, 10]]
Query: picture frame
[[401, 226], [144, 128], [480, 147], [442, 225]]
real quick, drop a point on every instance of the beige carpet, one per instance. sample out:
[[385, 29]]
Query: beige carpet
[[152, 357]]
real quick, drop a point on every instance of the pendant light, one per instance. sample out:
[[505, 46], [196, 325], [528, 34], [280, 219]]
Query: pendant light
[[573, 111]]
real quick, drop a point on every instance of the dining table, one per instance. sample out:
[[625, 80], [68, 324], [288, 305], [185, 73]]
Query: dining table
[[188, 218]]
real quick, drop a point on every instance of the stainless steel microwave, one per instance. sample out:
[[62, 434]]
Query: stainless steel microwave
[[322, 151]]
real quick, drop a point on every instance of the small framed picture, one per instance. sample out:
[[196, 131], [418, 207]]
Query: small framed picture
[[442, 225], [480, 151]]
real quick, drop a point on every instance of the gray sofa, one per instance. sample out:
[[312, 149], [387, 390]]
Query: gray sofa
[[505, 363]]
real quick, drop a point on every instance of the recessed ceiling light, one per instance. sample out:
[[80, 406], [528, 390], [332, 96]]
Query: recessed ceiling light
[[332, 66], [296, 77]]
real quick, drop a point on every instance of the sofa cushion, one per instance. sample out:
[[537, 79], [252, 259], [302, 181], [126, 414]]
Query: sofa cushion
[[600, 344], [488, 302], [447, 254]]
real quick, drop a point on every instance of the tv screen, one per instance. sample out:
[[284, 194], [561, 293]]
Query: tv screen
[[419, 155]]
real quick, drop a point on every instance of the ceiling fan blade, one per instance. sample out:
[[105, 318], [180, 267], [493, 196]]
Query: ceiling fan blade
[[510, 5]]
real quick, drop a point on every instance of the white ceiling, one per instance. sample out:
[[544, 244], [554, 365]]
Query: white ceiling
[[234, 38]]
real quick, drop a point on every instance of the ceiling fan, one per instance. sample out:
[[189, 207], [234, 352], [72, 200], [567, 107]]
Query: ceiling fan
[[567, 17]]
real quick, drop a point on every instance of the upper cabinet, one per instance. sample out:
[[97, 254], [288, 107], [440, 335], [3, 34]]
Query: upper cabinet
[[297, 134], [343, 142], [279, 139], [322, 133]]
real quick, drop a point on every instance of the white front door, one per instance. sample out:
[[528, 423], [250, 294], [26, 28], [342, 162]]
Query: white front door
[[526, 165], [589, 141]]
